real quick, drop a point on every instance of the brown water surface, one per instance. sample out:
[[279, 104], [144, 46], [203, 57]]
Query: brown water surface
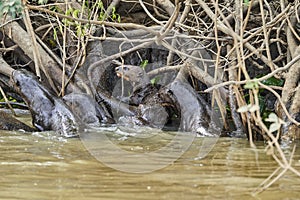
[[45, 166]]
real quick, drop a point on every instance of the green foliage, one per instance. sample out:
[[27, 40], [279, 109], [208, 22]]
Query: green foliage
[[70, 12], [102, 10], [54, 34], [253, 84], [80, 29], [246, 2], [271, 120], [11, 99], [154, 80], [262, 99], [275, 122], [102, 14], [248, 108], [11, 7], [144, 64], [115, 16], [42, 2], [273, 81]]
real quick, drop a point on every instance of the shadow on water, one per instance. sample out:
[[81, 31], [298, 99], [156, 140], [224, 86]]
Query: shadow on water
[[45, 166]]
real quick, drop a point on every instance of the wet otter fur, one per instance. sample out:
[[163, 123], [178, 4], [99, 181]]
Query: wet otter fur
[[134, 74], [143, 90], [48, 111], [144, 95], [175, 99], [195, 113]]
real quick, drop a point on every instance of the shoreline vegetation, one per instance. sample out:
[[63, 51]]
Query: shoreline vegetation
[[244, 54]]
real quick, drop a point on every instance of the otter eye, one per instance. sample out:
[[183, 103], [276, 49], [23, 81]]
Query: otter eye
[[125, 68], [140, 74], [17, 83]]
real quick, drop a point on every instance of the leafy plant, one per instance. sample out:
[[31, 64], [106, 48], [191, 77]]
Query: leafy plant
[[10, 7], [144, 64], [253, 84], [42, 2], [246, 2], [102, 16], [275, 122], [273, 81], [80, 29], [248, 108], [115, 15], [154, 80]]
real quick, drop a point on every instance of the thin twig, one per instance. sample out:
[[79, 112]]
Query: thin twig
[[269, 75]]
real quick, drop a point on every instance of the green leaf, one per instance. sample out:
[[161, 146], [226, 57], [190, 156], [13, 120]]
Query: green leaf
[[69, 11], [100, 4], [253, 84], [11, 7], [5, 9], [75, 13], [277, 122], [11, 3], [78, 31], [54, 34], [274, 127], [273, 81], [243, 109], [42, 2], [154, 80], [144, 64], [272, 118], [253, 108], [246, 108]]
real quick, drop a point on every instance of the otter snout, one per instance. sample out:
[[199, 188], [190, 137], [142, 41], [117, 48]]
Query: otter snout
[[121, 72]]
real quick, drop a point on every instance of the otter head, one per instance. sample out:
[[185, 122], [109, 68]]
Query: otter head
[[25, 83], [134, 74]]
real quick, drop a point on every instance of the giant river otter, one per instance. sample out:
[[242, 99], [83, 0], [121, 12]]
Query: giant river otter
[[147, 104], [142, 87], [154, 104], [144, 95], [85, 107], [48, 112]]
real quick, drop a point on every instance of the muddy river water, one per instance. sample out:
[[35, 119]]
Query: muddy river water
[[46, 166]]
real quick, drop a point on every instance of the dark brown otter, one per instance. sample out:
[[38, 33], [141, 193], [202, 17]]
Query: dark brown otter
[[134, 74], [143, 91], [195, 113], [144, 95], [48, 111], [177, 99]]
